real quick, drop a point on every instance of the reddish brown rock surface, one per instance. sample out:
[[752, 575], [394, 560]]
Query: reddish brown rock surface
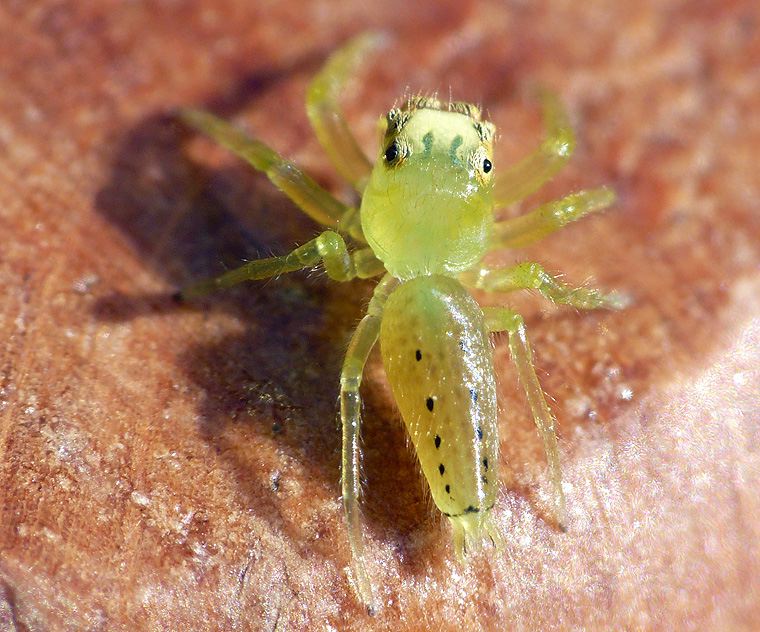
[[175, 468]]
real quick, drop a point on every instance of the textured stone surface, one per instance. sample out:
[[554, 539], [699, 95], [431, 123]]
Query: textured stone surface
[[177, 468]]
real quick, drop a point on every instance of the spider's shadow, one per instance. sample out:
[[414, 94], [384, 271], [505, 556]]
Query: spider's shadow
[[279, 377]]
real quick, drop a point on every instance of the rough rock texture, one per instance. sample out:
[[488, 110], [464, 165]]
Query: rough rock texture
[[174, 468]]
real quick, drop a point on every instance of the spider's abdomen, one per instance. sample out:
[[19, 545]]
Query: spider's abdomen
[[439, 362]]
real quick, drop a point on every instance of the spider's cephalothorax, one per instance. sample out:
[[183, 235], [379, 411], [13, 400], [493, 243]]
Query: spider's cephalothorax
[[431, 185]]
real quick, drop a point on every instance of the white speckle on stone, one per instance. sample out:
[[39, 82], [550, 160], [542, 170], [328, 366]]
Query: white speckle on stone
[[740, 379], [579, 406], [525, 540], [85, 283], [50, 535], [139, 499]]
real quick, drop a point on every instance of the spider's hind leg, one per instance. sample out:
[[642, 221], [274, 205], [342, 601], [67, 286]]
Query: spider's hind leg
[[503, 319], [364, 338]]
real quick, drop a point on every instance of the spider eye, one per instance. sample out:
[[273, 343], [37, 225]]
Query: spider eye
[[392, 152], [487, 166]]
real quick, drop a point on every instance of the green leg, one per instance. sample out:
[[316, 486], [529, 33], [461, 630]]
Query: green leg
[[361, 344], [325, 113], [305, 192], [529, 174], [503, 319], [550, 217], [329, 248], [531, 276]]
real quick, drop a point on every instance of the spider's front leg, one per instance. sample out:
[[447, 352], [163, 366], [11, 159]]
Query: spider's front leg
[[503, 319], [311, 198], [522, 179], [550, 217], [527, 176], [322, 106], [329, 248], [361, 344]]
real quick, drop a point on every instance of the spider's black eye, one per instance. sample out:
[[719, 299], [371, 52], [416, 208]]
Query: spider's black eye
[[392, 152], [487, 166]]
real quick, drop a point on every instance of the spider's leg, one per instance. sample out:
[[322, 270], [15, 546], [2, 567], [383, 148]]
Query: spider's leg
[[550, 217], [299, 187], [503, 319], [532, 276], [522, 179], [361, 344], [322, 106], [329, 248]]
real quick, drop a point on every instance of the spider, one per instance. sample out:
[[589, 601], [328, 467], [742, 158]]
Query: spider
[[424, 225]]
